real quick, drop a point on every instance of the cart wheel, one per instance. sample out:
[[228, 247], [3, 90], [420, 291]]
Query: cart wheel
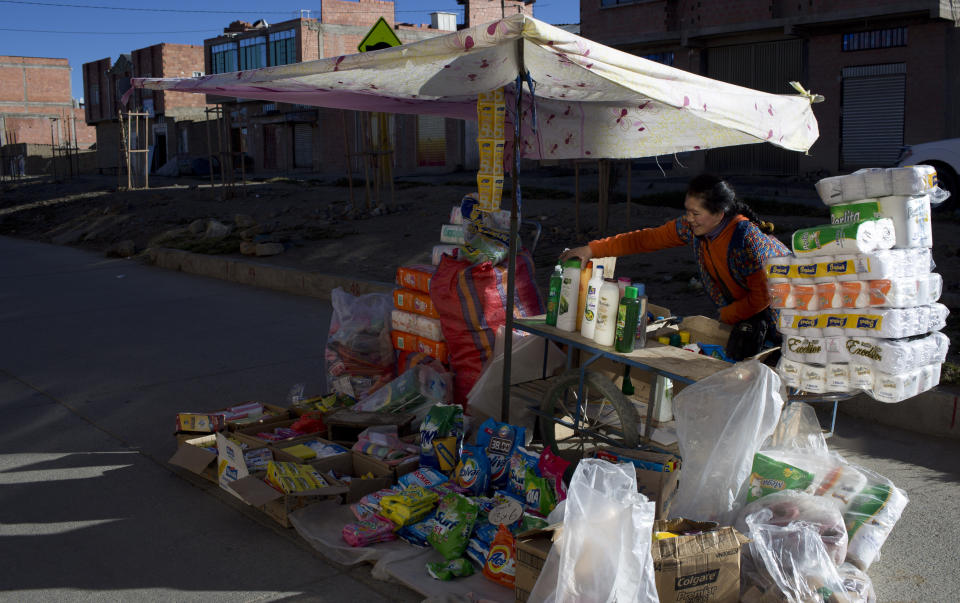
[[607, 418]]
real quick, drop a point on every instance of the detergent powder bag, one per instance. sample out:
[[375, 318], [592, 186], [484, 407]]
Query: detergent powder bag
[[553, 467], [540, 497], [498, 441], [473, 472], [520, 461], [448, 570], [501, 560], [454, 523], [442, 421]]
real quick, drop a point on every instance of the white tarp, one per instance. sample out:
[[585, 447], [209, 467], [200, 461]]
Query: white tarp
[[590, 100]]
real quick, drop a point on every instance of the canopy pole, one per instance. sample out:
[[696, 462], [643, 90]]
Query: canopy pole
[[514, 229]]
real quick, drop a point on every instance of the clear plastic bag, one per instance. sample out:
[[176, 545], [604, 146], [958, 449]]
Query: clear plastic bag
[[857, 584], [721, 422], [870, 517], [790, 506], [604, 553], [793, 557], [359, 354], [415, 391]]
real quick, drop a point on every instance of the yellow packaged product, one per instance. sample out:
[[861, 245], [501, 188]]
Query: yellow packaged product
[[491, 156], [304, 453], [489, 191]]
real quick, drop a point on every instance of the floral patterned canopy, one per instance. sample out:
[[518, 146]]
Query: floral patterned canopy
[[590, 100]]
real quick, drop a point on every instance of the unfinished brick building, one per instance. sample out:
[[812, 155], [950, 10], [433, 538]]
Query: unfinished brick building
[[888, 68], [171, 113]]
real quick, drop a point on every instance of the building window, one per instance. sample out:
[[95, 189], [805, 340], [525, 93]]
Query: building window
[[666, 58], [197, 74], [878, 38], [253, 53], [94, 94], [283, 47], [223, 57]]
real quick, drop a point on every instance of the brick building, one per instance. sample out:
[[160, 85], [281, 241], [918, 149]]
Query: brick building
[[171, 113], [888, 68], [32, 91], [478, 12], [281, 137]]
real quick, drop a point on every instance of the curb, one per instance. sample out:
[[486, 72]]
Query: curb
[[267, 276], [934, 413]]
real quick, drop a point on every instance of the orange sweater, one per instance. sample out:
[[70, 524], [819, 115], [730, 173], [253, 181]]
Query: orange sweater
[[730, 262]]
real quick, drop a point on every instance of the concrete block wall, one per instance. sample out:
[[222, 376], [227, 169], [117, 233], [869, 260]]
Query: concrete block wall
[[179, 60], [478, 12]]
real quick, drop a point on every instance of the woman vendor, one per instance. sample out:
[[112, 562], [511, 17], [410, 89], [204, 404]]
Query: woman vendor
[[730, 244]]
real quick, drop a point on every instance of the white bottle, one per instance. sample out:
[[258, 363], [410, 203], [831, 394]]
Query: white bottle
[[588, 327], [608, 301], [569, 296]]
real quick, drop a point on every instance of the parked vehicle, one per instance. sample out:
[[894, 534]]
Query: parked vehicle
[[944, 156]]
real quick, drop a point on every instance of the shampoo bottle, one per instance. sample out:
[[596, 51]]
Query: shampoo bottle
[[589, 324], [569, 293], [607, 304], [553, 295]]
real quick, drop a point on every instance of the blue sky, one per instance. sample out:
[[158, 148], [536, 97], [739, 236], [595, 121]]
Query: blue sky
[[96, 33]]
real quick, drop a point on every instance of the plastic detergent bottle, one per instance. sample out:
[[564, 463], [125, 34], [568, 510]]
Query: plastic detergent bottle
[[584, 284], [607, 304], [628, 315], [553, 295], [569, 294], [640, 341], [589, 322]]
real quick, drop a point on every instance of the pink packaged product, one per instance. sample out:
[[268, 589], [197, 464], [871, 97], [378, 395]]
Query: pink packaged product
[[553, 467], [368, 531]]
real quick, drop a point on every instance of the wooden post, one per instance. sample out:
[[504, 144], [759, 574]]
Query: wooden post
[[146, 154], [206, 123], [346, 146], [576, 195], [129, 141], [629, 190], [603, 194]]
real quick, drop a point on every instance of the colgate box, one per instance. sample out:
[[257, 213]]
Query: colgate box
[[703, 566]]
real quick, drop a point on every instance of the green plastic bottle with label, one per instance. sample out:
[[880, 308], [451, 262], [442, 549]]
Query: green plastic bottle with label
[[628, 315], [553, 295]]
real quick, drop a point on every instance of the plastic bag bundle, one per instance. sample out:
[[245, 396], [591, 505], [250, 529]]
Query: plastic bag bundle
[[416, 390], [790, 506], [718, 454], [857, 584], [604, 553], [359, 354], [870, 518]]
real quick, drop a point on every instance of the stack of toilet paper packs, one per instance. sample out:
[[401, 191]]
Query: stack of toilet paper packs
[[858, 297]]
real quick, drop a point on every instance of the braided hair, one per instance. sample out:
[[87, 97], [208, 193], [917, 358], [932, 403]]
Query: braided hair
[[719, 197]]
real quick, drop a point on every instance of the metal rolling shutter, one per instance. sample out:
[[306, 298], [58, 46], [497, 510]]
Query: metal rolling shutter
[[303, 146], [431, 141], [872, 115], [270, 147]]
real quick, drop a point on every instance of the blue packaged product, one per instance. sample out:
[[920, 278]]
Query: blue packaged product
[[473, 471], [477, 551], [484, 531], [416, 533], [499, 441], [520, 461], [442, 421], [424, 476]]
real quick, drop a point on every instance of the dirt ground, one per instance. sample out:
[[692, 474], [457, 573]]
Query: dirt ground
[[320, 231]]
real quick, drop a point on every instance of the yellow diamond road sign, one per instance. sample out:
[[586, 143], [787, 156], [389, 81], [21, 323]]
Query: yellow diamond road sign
[[381, 35]]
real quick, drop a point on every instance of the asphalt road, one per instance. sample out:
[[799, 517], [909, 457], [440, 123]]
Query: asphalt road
[[97, 356]]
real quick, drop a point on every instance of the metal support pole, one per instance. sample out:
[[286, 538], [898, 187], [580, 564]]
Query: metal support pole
[[514, 228]]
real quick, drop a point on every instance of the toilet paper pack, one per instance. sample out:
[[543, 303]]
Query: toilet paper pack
[[895, 292], [813, 379], [844, 239], [808, 350], [861, 376], [836, 347], [838, 377], [789, 371], [779, 269]]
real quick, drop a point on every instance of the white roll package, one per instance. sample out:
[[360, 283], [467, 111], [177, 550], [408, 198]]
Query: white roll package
[[926, 381], [844, 239], [910, 216], [781, 295], [861, 376], [912, 180], [838, 377], [841, 268], [403, 321], [809, 324], [789, 371], [813, 379], [429, 328], [870, 518], [937, 318], [831, 190], [439, 251], [895, 292], [808, 350], [877, 182], [896, 355], [889, 323], [805, 297], [930, 288], [829, 296], [834, 323], [456, 216], [787, 320], [895, 387], [836, 347], [778, 269], [853, 187], [938, 345], [854, 294]]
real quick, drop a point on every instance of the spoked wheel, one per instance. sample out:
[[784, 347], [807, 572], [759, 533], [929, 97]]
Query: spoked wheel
[[607, 418]]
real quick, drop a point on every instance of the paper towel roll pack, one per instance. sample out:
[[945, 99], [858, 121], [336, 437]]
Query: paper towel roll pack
[[844, 239], [877, 182], [911, 217]]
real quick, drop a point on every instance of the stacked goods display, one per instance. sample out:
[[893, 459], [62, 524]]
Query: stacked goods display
[[858, 298], [491, 114], [414, 320], [359, 356]]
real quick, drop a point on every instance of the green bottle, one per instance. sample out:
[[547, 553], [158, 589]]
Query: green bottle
[[553, 295], [628, 315], [627, 386]]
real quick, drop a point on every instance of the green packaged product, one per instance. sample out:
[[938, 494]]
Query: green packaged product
[[539, 494], [453, 525], [448, 570], [770, 475]]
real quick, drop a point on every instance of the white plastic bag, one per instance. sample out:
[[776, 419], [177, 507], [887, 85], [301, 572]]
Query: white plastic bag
[[604, 553], [721, 422], [870, 517], [359, 354], [415, 391]]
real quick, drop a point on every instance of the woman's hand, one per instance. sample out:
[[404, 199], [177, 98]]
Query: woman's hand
[[583, 253]]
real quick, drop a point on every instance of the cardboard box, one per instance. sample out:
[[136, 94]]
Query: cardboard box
[[249, 434], [379, 466], [658, 486], [356, 465], [345, 424], [256, 492], [192, 455], [703, 567], [533, 546]]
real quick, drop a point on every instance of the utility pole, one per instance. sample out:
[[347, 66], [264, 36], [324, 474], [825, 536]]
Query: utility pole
[[503, 9]]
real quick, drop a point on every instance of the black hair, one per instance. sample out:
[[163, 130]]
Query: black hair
[[719, 197]]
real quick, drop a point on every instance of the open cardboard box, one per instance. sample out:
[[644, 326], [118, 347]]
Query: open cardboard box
[[356, 465], [281, 454], [255, 491], [700, 567], [249, 434], [192, 455], [277, 413], [657, 486], [533, 546]]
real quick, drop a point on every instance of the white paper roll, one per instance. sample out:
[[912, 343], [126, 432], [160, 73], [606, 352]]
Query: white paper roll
[[895, 388], [808, 350], [778, 269], [886, 236], [931, 288], [842, 239], [805, 297], [835, 322], [813, 379], [891, 323], [877, 182], [838, 377], [781, 295], [854, 187], [809, 324], [831, 190], [829, 296], [787, 322], [836, 346], [855, 294], [938, 317], [912, 180], [789, 371], [861, 376], [911, 217], [894, 293]]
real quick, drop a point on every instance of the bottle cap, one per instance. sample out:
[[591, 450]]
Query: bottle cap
[[572, 263], [624, 279], [664, 340], [641, 289], [631, 293], [598, 270], [684, 337]]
